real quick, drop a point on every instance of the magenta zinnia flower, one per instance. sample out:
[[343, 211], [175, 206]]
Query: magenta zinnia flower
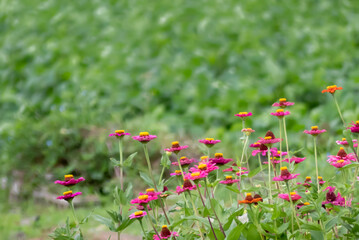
[[293, 195], [321, 181], [196, 176], [263, 149], [185, 161], [243, 115], [151, 192], [165, 234], [209, 142], [355, 127], [70, 181], [205, 167], [294, 159], [314, 131], [143, 199], [219, 160], [273, 160], [241, 173], [176, 148], [230, 169], [138, 215], [285, 175], [247, 131], [144, 137], [229, 181], [69, 195], [340, 163], [282, 103], [119, 133], [307, 182], [177, 173], [280, 113], [331, 198], [187, 186], [278, 153], [342, 155], [269, 139], [255, 145], [345, 143]]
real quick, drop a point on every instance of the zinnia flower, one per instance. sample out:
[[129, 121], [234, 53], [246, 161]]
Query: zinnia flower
[[143, 199], [249, 199], [282, 103], [285, 175], [187, 186], [342, 155], [299, 205], [263, 149], [331, 89], [69, 195], [196, 176], [209, 142], [355, 127], [165, 234], [280, 113], [70, 180], [293, 195], [294, 159], [321, 182], [243, 115], [230, 169], [205, 167], [269, 139], [185, 161], [144, 137], [273, 160], [241, 172], [314, 131], [119, 133], [151, 192], [139, 215], [331, 198], [176, 148], [219, 160], [255, 145], [177, 173], [247, 131], [278, 153], [340, 163], [307, 182], [229, 180]]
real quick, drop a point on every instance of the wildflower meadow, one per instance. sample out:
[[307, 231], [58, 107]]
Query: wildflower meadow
[[219, 197]]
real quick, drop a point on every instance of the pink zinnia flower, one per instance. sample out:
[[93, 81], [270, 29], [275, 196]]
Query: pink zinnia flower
[[293, 195], [345, 143], [255, 145], [282, 103], [280, 113], [196, 176], [185, 161], [273, 160], [299, 205], [263, 149], [165, 234], [247, 131], [314, 131], [119, 133], [355, 127], [307, 182], [241, 173], [144, 137], [138, 215], [230, 169], [143, 199], [151, 192], [205, 167], [342, 155], [340, 163], [69, 195], [278, 153], [321, 181], [177, 173], [331, 198], [294, 159], [176, 148], [209, 142], [70, 180], [187, 186], [269, 139], [243, 115], [219, 160], [229, 181], [285, 175]]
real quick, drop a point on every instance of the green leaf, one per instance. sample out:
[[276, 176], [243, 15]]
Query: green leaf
[[331, 223], [106, 221], [354, 164], [115, 162], [254, 172], [128, 161], [316, 235], [312, 226], [125, 224], [283, 227], [236, 232], [146, 178], [165, 162]]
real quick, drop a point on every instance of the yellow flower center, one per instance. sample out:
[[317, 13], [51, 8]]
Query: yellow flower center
[[320, 178], [314, 127], [268, 138], [341, 148], [202, 166], [183, 158], [204, 158], [256, 143], [293, 193], [278, 152], [164, 226], [120, 131], [283, 168], [228, 177], [308, 178], [331, 87], [279, 110], [209, 139], [143, 197], [67, 193], [175, 143], [340, 161], [357, 122], [139, 213], [195, 174], [143, 134], [150, 190], [241, 113], [344, 139], [68, 177], [218, 155], [248, 194], [178, 171], [306, 203], [282, 99]]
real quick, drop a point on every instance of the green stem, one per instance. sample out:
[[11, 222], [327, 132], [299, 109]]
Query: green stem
[[269, 177], [149, 165], [150, 220], [286, 138], [196, 212], [316, 161], [121, 162], [338, 108], [292, 206], [179, 165], [280, 143], [143, 230], [74, 215]]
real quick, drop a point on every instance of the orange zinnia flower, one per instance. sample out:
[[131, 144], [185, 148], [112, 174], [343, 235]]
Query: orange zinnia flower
[[249, 199], [332, 89]]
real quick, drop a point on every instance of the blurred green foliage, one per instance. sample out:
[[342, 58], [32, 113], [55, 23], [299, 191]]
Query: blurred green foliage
[[73, 71]]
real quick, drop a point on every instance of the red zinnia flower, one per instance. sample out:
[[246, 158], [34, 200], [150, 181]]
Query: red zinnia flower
[[342, 155], [321, 181], [165, 234], [331, 198], [247, 131], [331, 89], [196, 176], [187, 186]]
